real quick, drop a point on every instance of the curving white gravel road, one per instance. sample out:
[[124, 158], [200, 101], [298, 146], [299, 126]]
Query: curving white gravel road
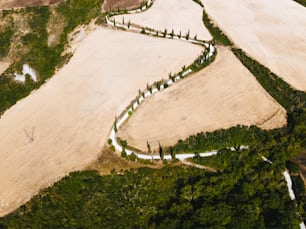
[[125, 115]]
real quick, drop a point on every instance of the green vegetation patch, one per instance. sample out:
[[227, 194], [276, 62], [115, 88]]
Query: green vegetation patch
[[249, 194], [207, 141], [44, 59], [218, 35], [79, 12]]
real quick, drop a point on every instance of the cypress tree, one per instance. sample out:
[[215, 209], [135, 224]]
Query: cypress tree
[[149, 148], [161, 153], [172, 153]]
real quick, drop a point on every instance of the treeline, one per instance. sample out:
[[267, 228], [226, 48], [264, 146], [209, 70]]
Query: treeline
[[44, 59], [206, 141], [214, 30], [218, 35], [248, 194]]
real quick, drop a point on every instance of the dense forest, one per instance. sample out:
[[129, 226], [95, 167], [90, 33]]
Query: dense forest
[[248, 193]]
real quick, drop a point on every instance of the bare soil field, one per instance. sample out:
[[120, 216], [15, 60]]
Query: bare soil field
[[8, 4], [63, 126], [220, 96], [183, 15], [110, 5], [3, 66], [273, 32]]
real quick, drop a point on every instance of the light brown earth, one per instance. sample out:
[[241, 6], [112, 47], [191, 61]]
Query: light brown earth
[[7, 4], [180, 15], [273, 32], [220, 96], [3, 66], [63, 126], [109, 162], [111, 5]]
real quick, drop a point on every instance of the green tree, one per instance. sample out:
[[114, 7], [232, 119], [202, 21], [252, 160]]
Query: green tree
[[149, 148], [172, 33], [115, 125], [187, 35], [165, 33], [161, 152], [172, 153]]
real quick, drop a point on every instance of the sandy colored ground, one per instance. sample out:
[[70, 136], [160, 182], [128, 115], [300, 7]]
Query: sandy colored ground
[[109, 5], [220, 96], [273, 32], [3, 66], [180, 15], [7, 4], [63, 126]]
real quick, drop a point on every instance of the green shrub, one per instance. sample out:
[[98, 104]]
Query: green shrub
[[132, 157], [143, 31], [123, 153]]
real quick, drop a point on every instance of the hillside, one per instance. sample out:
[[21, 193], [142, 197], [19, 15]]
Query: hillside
[[159, 116]]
